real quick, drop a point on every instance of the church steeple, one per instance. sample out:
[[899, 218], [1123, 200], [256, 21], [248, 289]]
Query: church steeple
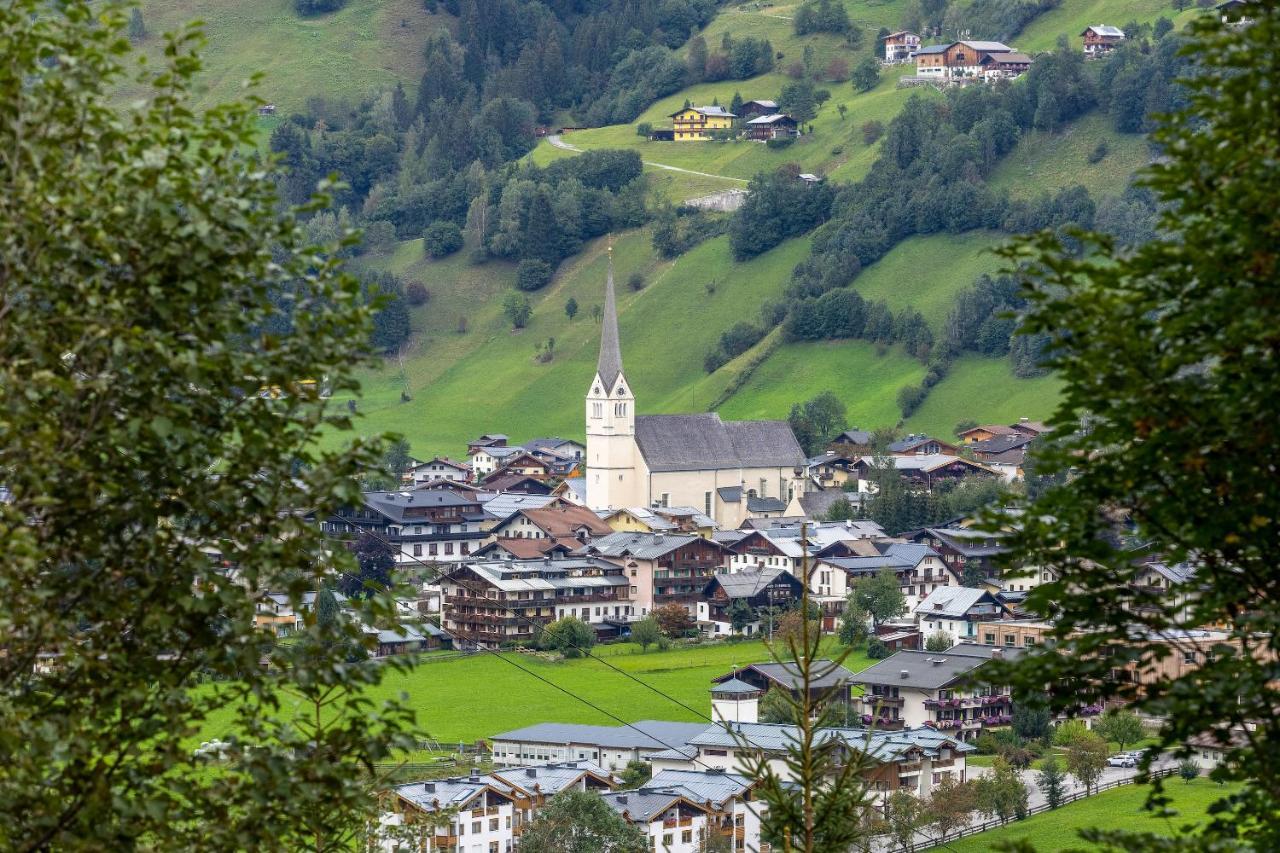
[[609, 365]]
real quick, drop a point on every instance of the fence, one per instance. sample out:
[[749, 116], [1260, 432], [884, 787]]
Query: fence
[[995, 823]]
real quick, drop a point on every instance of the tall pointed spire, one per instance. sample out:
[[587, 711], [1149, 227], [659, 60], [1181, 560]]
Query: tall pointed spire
[[610, 363]]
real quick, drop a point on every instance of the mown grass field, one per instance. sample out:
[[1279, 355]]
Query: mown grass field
[[1072, 16], [364, 47], [1120, 808], [463, 699], [985, 390]]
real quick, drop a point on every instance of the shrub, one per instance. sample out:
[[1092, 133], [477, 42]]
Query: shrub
[[635, 281], [876, 649], [533, 274], [909, 399], [1096, 155], [644, 128], [442, 238], [872, 131], [378, 235], [416, 293], [780, 143]]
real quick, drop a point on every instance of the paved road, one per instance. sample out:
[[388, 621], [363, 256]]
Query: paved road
[[556, 141]]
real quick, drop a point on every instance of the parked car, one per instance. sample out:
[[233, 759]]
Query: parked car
[[1123, 759]]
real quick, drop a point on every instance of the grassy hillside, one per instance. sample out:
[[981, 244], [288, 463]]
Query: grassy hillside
[[366, 46], [1046, 162], [487, 379], [1072, 16], [984, 389]]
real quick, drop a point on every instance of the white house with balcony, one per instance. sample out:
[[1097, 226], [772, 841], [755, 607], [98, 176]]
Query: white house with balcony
[[912, 689]]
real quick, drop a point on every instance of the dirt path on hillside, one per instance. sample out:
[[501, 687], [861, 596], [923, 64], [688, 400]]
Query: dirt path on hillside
[[557, 142]]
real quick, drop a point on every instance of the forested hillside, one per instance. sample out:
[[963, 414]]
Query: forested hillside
[[878, 285]]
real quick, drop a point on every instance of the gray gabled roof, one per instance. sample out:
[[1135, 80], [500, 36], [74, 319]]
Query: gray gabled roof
[[392, 505], [734, 687], [824, 674], [642, 546], [748, 582], [922, 670], [645, 804], [703, 785], [957, 602], [549, 778], [758, 504], [704, 442], [881, 745], [933, 48], [609, 364], [646, 734], [1105, 30]]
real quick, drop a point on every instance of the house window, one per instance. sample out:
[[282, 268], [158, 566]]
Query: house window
[[417, 550], [448, 548], [1028, 641], [1188, 657], [1009, 639], [706, 503], [431, 549], [475, 827], [686, 837], [493, 824]]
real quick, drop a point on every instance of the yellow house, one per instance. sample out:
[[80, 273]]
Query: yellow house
[[697, 123]]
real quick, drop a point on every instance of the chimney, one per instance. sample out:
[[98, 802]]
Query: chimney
[[622, 799], [429, 787], [905, 673], [1024, 420], [657, 537], [530, 772]]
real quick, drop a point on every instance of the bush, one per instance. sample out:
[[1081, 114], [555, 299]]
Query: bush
[[909, 399], [441, 238], [872, 131], [785, 142], [378, 235], [533, 274], [416, 293], [876, 649], [317, 7], [1096, 155], [644, 128], [635, 281]]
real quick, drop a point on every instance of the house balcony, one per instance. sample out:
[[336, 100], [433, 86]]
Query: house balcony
[[673, 822], [587, 599], [675, 597], [883, 724], [887, 701]]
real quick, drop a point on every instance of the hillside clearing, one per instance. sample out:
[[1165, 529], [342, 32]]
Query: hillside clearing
[[366, 46], [1046, 162], [985, 390]]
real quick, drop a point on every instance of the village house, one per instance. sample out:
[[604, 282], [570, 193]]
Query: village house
[[1101, 39], [560, 448], [919, 444], [817, 502], [776, 126], [430, 525], [526, 549], [734, 813], [487, 459], [662, 568], [960, 612], [963, 548], [482, 815], [561, 523], [995, 66], [439, 468], [660, 519], [572, 490], [406, 639], [505, 482], [1171, 585], [671, 821], [520, 462], [922, 470], [919, 569], [491, 602], [853, 443], [759, 550], [694, 460], [900, 46], [275, 613], [699, 123], [755, 588], [956, 61], [610, 747], [499, 506], [757, 108], [985, 432], [831, 470], [489, 439], [829, 681], [920, 688]]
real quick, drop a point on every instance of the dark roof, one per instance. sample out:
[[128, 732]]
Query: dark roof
[[911, 442], [749, 582], [855, 436], [1001, 443], [828, 674], [642, 546], [1014, 58], [609, 364], [646, 804], [730, 494], [734, 687], [393, 504], [933, 48], [506, 481], [704, 442], [926, 670], [758, 504], [815, 504]]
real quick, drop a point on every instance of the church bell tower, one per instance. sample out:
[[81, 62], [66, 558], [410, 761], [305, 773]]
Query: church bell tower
[[612, 481]]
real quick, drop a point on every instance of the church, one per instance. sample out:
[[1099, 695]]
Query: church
[[731, 470]]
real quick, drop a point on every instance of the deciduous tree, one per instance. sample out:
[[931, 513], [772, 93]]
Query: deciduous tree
[[581, 822], [880, 596], [1120, 725], [1086, 758], [142, 254], [645, 632]]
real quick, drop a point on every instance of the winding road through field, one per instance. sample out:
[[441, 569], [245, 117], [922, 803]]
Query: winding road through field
[[557, 142]]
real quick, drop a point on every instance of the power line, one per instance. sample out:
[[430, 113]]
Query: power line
[[531, 622]]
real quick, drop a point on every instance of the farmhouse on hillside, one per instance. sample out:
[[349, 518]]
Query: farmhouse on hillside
[[1100, 39], [776, 126], [958, 60], [719, 467], [900, 46], [757, 108], [698, 123]]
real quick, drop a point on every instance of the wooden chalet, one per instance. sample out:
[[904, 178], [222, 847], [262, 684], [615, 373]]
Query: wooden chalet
[[774, 126]]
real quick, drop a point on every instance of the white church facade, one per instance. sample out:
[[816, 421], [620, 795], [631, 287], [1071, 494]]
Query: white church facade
[[731, 470]]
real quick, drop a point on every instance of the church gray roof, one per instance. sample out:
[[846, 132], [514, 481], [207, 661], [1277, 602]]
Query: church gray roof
[[704, 442], [609, 364]]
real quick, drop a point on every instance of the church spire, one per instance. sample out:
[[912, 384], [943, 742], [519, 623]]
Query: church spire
[[609, 366]]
